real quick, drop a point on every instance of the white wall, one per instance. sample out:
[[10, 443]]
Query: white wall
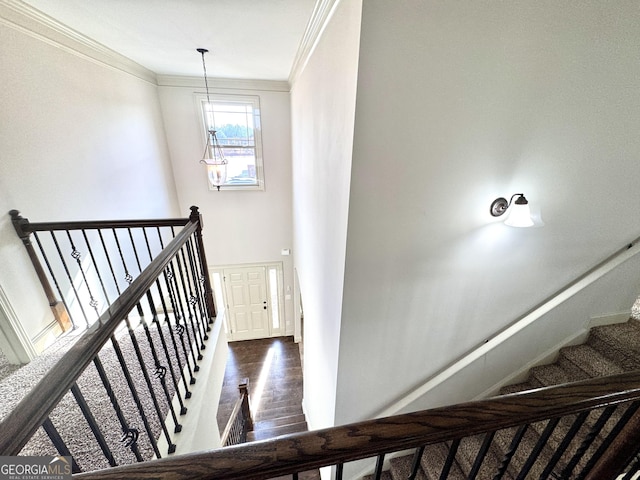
[[323, 107], [457, 104], [240, 227], [79, 140]]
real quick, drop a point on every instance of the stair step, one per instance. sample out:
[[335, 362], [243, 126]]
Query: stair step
[[401, 468], [434, 458], [467, 453], [589, 360], [386, 475], [266, 433], [277, 422], [620, 343]]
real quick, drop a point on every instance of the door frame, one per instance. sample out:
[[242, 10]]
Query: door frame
[[279, 268]]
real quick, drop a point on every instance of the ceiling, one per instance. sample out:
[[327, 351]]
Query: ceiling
[[248, 39]]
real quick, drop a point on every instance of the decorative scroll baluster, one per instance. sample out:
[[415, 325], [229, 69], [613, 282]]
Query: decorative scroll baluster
[[202, 314], [93, 424], [77, 256], [189, 301], [95, 265], [127, 276], [161, 371], [69, 277], [195, 217], [173, 330], [135, 396], [182, 316], [58, 442], [147, 379], [580, 419], [515, 442], [587, 441], [126, 430]]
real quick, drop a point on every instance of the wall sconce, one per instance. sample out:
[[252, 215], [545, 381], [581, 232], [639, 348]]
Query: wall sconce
[[519, 215]]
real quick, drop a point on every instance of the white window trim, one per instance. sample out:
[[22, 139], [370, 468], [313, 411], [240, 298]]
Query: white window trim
[[257, 114]]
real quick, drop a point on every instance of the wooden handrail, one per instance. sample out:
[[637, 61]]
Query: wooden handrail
[[305, 451], [240, 408], [22, 422], [29, 227]]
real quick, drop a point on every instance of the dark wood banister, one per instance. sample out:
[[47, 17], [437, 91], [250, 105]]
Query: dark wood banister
[[310, 450], [22, 422]]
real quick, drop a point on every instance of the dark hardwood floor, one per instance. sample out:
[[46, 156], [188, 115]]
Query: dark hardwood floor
[[275, 385]]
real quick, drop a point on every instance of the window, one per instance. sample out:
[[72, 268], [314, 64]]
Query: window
[[236, 120]]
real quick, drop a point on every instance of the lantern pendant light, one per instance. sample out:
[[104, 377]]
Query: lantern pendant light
[[213, 157]]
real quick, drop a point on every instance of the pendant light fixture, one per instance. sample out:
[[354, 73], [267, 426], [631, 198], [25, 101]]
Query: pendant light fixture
[[519, 212], [213, 157]]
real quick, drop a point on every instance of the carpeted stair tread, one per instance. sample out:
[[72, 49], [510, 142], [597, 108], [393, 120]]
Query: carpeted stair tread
[[386, 475], [620, 343], [549, 375], [467, 453], [517, 388], [589, 360], [401, 468], [434, 458], [502, 444]]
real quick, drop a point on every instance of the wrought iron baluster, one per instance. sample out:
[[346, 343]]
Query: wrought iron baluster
[[482, 453], [606, 443], [136, 397], [54, 278], [66, 269], [127, 432], [173, 332], [515, 442], [127, 276], [95, 265], [190, 301], [77, 256], [59, 443], [339, 471], [161, 371], [202, 315], [633, 469], [537, 449], [588, 440], [580, 419], [195, 217], [448, 463], [93, 424], [185, 324], [415, 464], [147, 379], [379, 465], [201, 275], [108, 257], [156, 321]]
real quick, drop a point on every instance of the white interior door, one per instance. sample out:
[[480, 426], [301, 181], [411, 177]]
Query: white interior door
[[247, 303]]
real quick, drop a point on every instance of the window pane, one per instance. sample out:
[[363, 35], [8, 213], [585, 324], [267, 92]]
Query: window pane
[[236, 124]]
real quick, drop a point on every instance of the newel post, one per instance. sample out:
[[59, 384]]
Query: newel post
[[60, 313], [196, 217], [246, 409]]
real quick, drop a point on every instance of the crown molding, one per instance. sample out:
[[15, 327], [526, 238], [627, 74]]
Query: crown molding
[[223, 83], [24, 18], [322, 13]]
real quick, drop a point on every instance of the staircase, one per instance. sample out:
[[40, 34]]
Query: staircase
[[609, 350], [275, 383]]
